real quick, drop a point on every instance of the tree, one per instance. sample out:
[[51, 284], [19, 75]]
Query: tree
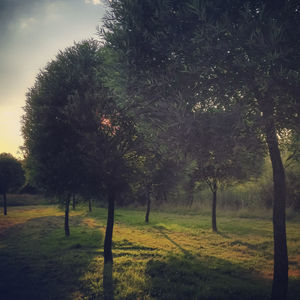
[[52, 148], [197, 51], [11, 176], [107, 143], [110, 157], [226, 150], [156, 175]]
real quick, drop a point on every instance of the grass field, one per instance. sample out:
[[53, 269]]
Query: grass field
[[175, 256]]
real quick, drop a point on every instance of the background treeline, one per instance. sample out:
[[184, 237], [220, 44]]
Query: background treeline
[[257, 193]]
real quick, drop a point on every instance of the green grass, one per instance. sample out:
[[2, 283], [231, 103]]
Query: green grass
[[175, 256]]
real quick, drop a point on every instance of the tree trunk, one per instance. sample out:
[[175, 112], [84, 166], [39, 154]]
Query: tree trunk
[[90, 205], [148, 208], [190, 192], [165, 196], [74, 202], [214, 207], [108, 258], [4, 204], [280, 277], [67, 204], [190, 198]]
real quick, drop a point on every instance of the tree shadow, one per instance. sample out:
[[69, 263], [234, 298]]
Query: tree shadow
[[38, 262], [207, 278], [164, 234], [222, 234], [188, 276], [108, 285]]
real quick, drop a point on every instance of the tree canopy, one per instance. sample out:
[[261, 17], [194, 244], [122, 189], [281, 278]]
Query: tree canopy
[[52, 142]]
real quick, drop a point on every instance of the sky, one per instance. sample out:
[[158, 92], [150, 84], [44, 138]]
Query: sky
[[31, 34]]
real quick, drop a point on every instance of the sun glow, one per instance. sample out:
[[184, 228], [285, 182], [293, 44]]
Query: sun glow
[[107, 126], [10, 124]]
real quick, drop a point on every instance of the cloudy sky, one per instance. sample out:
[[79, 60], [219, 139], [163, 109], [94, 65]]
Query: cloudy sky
[[31, 34]]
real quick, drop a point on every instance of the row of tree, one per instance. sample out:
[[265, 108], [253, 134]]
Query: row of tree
[[218, 55], [195, 89]]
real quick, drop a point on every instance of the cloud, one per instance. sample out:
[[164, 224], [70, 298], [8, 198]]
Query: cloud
[[53, 11], [26, 23], [95, 2]]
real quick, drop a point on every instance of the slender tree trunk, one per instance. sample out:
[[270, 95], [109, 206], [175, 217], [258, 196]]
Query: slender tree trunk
[[73, 202], [148, 208], [157, 199], [67, 205], [90, 205], [280, 277], [165, 196], [108, 258], [4, 204], [214, 207], [190, 198], [190, 192]]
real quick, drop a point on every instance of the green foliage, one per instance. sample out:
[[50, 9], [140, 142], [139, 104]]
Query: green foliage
[[293, 186], [52, 140], [11, 174], [183, 56], [225, 148], [77, 138]]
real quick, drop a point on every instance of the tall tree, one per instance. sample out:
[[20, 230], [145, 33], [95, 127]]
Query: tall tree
[[11, 176]]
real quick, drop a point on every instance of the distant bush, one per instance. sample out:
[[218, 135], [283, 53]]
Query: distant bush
[[26, 199]]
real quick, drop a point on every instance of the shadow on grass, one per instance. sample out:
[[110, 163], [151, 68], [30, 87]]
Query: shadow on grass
[[188, 276], [108, 285], [38, 262], [163, 233], [208, 278], [127, 245], [182, 277], [222, 234]]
